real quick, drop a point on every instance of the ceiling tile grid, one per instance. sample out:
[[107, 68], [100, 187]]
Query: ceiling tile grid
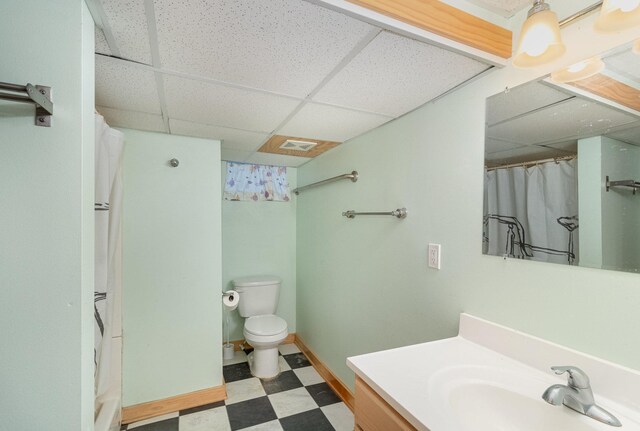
[[243, 70], [330, 123], [394, 74], [132, 120], [121, 85], [284, 46], [128, 24], [234, 139], [204, 102]]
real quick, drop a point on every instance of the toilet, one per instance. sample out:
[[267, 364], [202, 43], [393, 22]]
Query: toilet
[[262, 328]]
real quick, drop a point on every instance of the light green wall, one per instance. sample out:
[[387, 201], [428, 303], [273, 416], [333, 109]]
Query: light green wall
[[172, 319], [259, 238], [610, 235], [590, 187], [364, 285], [620, 207], [46, 219]]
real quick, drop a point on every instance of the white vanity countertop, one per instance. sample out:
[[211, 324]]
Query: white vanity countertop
[[413, 379]]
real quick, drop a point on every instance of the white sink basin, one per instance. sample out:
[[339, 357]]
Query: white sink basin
[[492, 399], [491, 378], [485, 407]]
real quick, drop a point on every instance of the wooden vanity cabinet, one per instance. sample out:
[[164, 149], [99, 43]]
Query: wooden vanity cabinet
[[372, 413]]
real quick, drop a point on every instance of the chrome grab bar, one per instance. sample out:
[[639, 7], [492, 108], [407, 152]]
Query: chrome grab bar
[[399, 213], [353, 176]]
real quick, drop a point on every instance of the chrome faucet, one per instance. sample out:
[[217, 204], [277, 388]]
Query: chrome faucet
[[577, 395]]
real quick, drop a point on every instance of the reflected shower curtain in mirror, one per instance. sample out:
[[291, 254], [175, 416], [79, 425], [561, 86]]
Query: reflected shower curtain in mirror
[[108, 209], [532, 212]]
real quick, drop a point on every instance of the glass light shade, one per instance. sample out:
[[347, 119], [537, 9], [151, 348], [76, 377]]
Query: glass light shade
[[618, 15], [636, 47], [578, 71], [539, 40]]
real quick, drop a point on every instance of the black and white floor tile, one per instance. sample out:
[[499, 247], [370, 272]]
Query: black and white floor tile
[[297, 400]]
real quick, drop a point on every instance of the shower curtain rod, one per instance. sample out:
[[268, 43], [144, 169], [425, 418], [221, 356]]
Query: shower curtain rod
[[531, 163]]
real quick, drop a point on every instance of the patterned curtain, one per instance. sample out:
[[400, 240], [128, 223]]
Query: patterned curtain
[[256, 183]]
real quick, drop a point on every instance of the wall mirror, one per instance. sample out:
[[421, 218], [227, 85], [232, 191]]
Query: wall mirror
[[562, 166]]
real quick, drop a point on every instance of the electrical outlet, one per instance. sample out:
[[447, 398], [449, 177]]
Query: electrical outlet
[[434, 256]]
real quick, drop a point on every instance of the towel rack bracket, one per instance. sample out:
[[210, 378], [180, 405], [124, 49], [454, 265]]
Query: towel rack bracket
[[44, 107], [39, 95]]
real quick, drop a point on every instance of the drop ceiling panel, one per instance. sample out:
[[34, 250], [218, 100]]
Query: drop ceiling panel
[[231, 155], [102, 47], [506, 8], [626, 64], [570, 147], [123, 86], [132, 120], [285, 46], [495, 145], [560, 122], [128, 24], [207, 103], [330, 123], [276, 159], [393, 75], [630, 136], [234, 139], [520, 100], [523, 154]]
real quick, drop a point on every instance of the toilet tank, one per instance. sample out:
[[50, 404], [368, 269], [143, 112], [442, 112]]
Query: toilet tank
[[258, 295]]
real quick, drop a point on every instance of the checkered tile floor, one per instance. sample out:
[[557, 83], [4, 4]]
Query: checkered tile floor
[[297, 400]]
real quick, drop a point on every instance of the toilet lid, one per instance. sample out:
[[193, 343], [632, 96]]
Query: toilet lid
[[265, 325]]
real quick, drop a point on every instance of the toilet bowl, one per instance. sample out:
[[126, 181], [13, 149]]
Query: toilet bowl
[[262, 328], [265, 333]]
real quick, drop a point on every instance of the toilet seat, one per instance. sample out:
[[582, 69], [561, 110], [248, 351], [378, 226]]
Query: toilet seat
[[265, 326]]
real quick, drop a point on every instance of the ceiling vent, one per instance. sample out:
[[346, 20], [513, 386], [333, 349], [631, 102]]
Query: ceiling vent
[[291, 144]]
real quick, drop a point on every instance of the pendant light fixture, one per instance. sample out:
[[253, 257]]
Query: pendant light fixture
[[582, 70], [539, 40], [618, 15]]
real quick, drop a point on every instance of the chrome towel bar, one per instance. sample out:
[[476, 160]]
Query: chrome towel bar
[[353, 176], [399, 213]]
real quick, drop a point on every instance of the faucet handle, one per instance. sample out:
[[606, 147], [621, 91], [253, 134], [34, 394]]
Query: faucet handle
[[577, 378]]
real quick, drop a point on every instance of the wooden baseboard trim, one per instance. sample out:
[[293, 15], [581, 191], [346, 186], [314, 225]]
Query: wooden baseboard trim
[[336, 384], [152, 409], [291, 338]]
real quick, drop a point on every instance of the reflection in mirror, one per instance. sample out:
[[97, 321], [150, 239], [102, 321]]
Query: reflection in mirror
[[562, 166]]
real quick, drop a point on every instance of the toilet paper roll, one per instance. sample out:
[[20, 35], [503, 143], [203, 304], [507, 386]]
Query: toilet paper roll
[[231, 299]]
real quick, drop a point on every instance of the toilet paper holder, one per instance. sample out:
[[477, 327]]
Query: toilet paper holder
[[227, 294]]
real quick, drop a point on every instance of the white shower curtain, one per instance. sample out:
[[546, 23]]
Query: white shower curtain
[[108, 203], [532, 213]]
